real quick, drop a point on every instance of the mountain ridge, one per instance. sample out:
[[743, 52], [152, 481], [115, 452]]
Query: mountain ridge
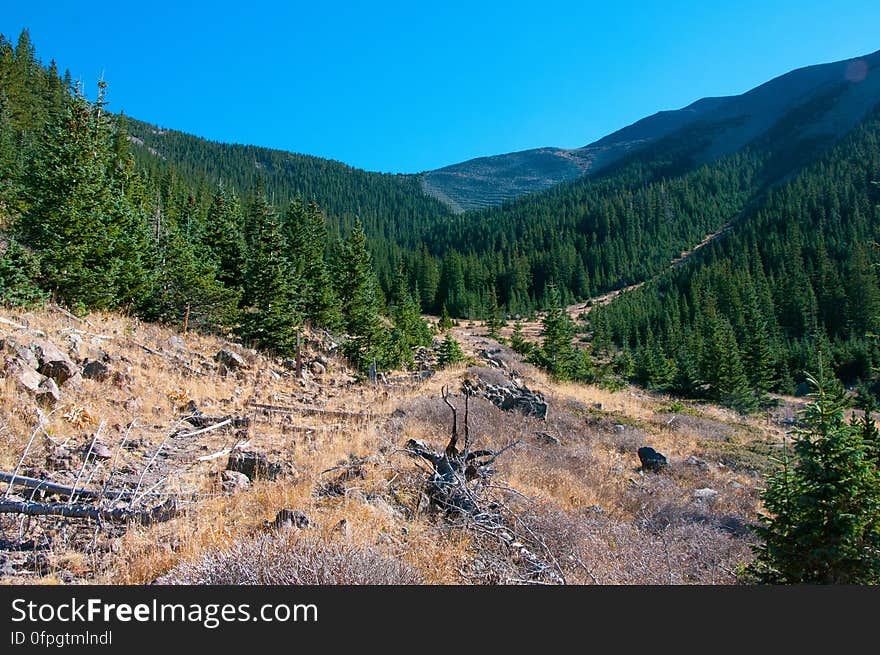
[[740, 119]]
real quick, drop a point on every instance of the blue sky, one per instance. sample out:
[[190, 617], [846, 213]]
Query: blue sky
[[411, 86]]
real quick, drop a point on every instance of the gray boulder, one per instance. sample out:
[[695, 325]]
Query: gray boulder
[[231, 360], [21, 352], [54, 363], [232, 481], [291, 518], [254, 465], [43, 389]]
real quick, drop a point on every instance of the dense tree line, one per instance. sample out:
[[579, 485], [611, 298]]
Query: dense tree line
[[83, 222], [795, 278]]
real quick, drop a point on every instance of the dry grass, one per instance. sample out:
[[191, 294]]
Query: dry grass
[[584, 503]]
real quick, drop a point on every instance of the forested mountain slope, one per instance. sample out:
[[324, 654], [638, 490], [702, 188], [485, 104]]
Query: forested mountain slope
[[389, 206], [792, 281], [626, 224]]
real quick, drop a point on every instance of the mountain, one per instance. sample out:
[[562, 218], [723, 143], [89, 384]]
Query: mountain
[[843, 88]]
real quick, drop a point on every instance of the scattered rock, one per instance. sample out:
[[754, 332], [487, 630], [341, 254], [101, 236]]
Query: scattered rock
[[736, 485], [619, 427], [54, 363], [548, 438], [176, 343], [291, 518], [705, 494], [95, 370], [43, 389], [25, 377], [317, 368], [343, 528], [75, 346], [232, 361], [101, 451], [59, 459], [232, 481], [24, 354], [254, 465], [652, 460], [509, 395], [696, 462]]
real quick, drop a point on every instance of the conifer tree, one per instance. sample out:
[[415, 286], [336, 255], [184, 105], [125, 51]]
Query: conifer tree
[[557, 354], [450, 352], [187, 290], [19, 270], [307, 237], [271, 311], [223, 238], [517, 340], [361, 304], [89, 236], [822, 524], [495, 317], [445, 322]]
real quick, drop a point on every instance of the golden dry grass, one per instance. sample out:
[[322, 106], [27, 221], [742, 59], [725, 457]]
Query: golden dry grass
[[587, 494]]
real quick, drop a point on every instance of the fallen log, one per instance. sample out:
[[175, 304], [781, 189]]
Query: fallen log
[[172, 358], [225, 451], [60, 489], [163, 512], [316, 411], [216, 426], [72, 317]]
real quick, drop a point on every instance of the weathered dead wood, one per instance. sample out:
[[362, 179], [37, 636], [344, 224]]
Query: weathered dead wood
[[26, 449], [163, 512], [13, 324], [54, 488], [216, 426], [72, 317], [459, 485], [316, 411], [172, 358], [225, 451]]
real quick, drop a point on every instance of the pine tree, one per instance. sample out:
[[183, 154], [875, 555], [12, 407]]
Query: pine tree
[[361, 305], [186, 289], [445, 322], [271, 312], [517, 340], [223, 238], [19, 270], [450, 352], [723, 368], [823, 507], [495, 317], [410, 330], [89, 237], [307, 237], [557, 354]]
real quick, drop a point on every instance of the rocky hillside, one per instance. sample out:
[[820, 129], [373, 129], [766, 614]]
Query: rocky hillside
[[137, 453]]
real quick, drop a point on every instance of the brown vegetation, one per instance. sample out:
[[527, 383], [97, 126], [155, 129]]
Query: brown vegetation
[[570, 491]]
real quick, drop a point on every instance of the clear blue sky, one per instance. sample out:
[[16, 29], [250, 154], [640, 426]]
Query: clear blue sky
[[411, 86]]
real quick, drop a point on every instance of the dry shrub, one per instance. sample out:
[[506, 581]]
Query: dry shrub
[[283, 559], [594, 548]]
